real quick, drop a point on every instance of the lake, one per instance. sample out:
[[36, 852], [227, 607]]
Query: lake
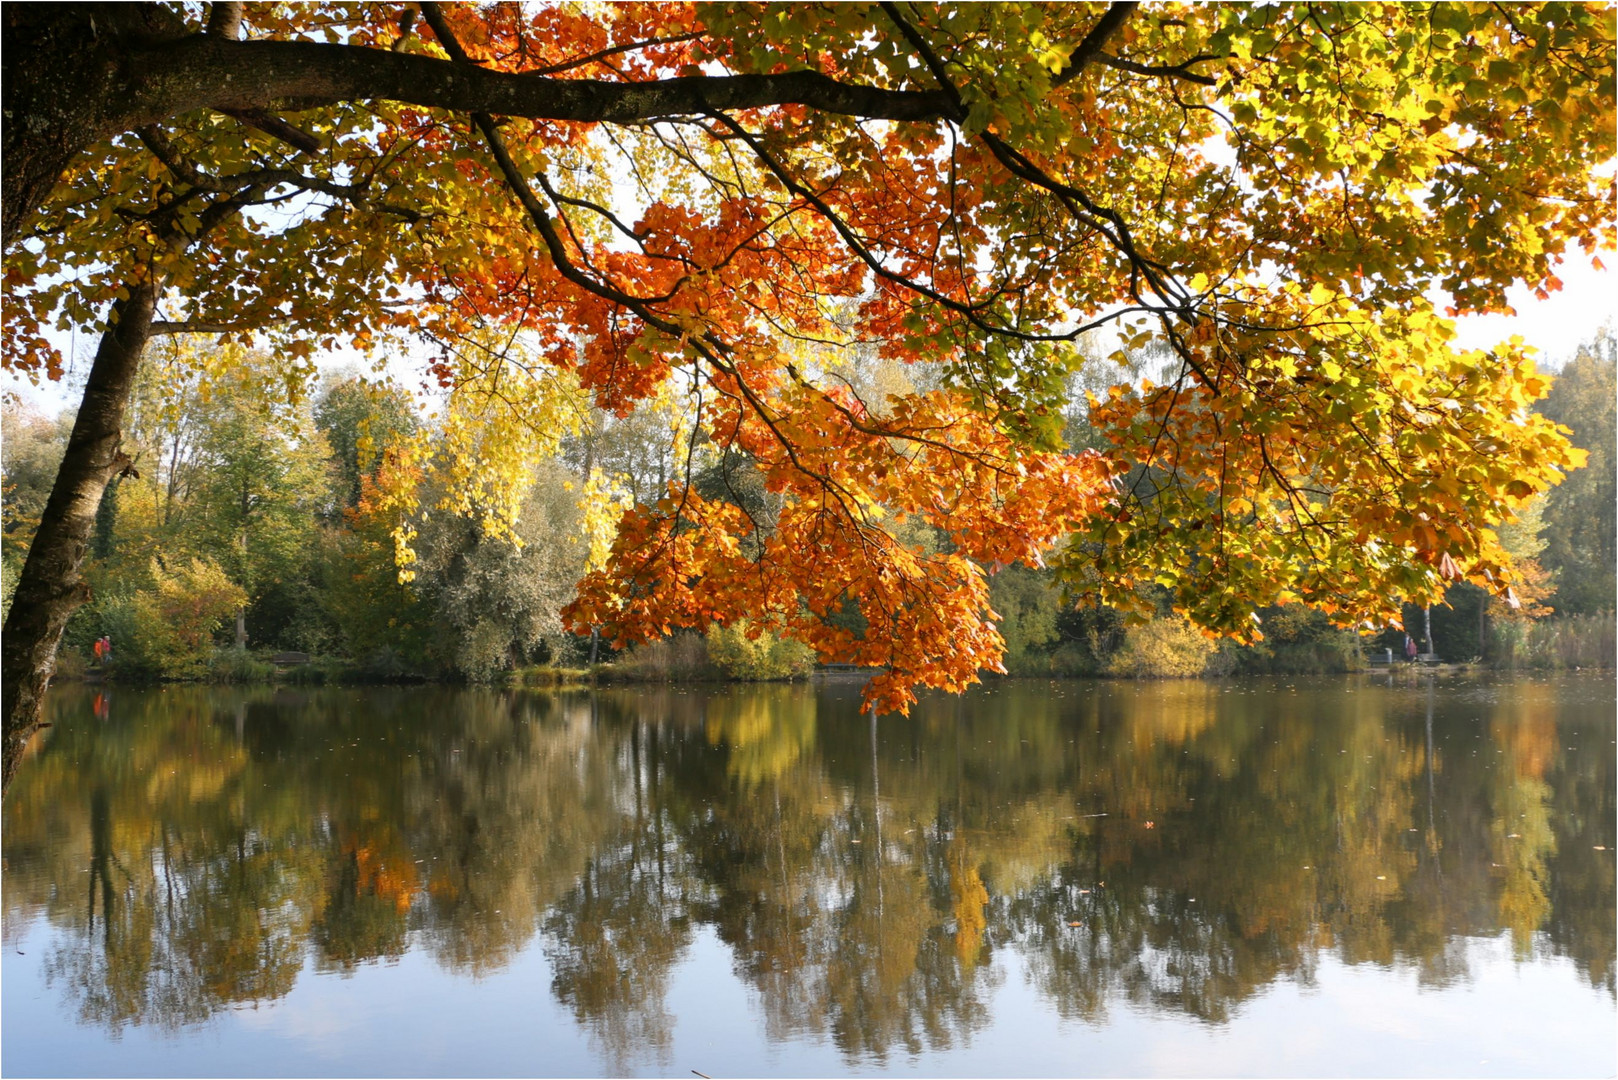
[[1387, 874]]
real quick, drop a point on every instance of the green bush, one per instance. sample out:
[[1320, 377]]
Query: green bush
[[166, 630], [120, 617], [383, 664], [750, 653], [1028, 603], [238, 666], [318, 672], [482, 653], [683, 656], [1572, 641], [1297, 641], [1164, 648], [70, 664], [1073, 659]]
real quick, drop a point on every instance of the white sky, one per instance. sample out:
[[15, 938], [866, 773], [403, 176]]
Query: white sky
[[1558, 326]]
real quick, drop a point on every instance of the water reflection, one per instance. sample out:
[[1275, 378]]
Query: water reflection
[[1177, 847]]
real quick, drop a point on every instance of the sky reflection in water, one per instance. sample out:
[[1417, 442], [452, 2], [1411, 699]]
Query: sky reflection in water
[[1321, 877]]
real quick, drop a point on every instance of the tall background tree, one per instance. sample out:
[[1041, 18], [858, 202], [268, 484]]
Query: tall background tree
[[262, 484], [700, 196], [1582, 513]]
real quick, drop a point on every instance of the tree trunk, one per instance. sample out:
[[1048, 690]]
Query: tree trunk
[[241, 612], [49, 588]]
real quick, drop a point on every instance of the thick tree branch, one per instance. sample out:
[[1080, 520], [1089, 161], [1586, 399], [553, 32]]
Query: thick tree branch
[[154, 139], [269, 124], [1182, 72], [518, 184], [934, 63], [225, 19], [1090, 48], [164, 327], [628, 46], [138, 66]]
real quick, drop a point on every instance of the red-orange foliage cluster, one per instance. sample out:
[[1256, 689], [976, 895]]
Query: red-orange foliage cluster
[[845, 479]]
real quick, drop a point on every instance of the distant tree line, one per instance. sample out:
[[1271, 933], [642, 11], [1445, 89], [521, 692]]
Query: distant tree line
[[261, 516]]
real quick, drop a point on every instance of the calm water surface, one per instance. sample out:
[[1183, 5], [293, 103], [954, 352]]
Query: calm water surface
[[1319, 877]]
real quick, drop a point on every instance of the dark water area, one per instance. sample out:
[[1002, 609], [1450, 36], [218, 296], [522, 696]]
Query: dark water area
[[1369, 875]]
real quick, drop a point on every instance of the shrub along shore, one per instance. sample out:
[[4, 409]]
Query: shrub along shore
[[1167, 648]]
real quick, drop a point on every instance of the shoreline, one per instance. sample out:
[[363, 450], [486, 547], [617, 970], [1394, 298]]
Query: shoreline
[[342, 673]]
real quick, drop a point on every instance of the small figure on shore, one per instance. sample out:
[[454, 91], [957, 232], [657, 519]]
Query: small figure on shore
[[1410, 648], [103, 650]]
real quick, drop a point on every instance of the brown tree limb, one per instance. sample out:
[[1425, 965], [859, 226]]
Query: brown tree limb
[[225, 19], [165, 327], [272, 125], [1182, 72], [628, 46], [91, 72], [1090, 48]]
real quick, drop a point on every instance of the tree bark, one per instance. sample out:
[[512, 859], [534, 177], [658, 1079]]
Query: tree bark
[[66, 85], [241, 612], [49, 589]]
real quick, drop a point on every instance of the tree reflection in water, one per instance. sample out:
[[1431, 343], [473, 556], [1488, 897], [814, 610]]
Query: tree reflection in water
[[1179, 846]]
